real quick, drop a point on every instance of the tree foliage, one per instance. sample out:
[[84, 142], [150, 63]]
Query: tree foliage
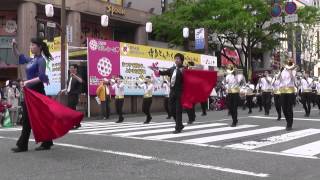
[[241, 24]]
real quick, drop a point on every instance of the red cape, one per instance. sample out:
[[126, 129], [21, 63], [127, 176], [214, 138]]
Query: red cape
[[48, 118], [197, 86]]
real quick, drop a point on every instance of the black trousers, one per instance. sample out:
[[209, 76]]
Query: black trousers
[[105, 108], [191, 114], [259, 102], [233, 102], [306, 98], [146, 105], [176, 110], [318, 101], [166, 106], [287, 101], [23, 140], [249, 99], [266, 98], [73, 100], [277, 104], [204, 107], [119, 105]]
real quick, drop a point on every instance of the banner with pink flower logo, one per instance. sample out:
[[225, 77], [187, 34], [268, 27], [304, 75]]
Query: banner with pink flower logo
[[103, 61]]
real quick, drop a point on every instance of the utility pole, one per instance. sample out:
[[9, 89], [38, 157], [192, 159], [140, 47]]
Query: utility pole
[[63, 43]]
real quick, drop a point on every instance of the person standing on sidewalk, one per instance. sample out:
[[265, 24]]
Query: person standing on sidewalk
[[103, 93], [74, 88]]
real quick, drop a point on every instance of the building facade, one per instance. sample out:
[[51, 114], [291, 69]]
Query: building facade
[[21, 19]]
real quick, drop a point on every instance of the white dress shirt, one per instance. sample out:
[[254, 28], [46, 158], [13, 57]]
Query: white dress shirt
[[287, 78], [306, 85], [266, 84], [119, 89]]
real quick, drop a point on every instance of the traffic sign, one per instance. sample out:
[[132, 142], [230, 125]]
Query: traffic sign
[[276, 20], [291, 7], [276, 10], [291, 18]]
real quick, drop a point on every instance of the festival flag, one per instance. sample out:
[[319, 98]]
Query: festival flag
[[197, 86], [48, 118]]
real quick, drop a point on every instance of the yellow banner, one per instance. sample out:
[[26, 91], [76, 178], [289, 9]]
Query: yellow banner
[[55, 45], [149, 52]]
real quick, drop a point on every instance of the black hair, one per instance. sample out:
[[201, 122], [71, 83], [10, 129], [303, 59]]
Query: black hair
[[148, 77], [43, 46], [120, 77], [75, 66], [181, 56], [191, 63]]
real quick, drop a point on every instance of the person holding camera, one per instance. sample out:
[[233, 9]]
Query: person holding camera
[[104, 95]]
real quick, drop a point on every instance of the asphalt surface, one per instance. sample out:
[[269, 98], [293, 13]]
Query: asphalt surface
[[258, 148]]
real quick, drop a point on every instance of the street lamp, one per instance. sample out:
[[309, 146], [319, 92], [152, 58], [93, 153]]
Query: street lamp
[[104, 20], [185, 34], [148, 30]]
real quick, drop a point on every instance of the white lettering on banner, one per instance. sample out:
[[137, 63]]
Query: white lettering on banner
[[208, 60]]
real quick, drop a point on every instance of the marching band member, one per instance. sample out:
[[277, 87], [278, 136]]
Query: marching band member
[[277, 94], [249, 96], [317, 84], [233, 82], [118, 87], [259, 93], [166, 87], [306, 93], [266, 92], [287, 89], [147, 86]]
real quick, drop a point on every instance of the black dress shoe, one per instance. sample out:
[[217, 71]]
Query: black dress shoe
[[279, 118], [177, 131], [168, 117], [17, 150], [146, 122], [119, 121], [233, 125], [42, 148], [203, 114], [190, 122], [288, 128]]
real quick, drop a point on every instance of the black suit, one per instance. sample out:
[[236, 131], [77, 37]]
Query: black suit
[[73, 94], [175, 95]]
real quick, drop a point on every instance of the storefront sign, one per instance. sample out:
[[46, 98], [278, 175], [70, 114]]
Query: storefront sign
[[103, 61], [8, 23], [116, 10]]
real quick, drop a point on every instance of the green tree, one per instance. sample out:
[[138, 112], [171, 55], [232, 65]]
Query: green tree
[[243, 25]]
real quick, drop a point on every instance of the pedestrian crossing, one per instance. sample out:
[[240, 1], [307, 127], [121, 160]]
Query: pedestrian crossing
[[247, 137]]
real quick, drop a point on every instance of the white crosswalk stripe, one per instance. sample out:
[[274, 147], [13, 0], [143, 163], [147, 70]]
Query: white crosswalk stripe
[[248, 137], [168, 130], [206, 131], [275, 139], [208, 139], [310, 149]]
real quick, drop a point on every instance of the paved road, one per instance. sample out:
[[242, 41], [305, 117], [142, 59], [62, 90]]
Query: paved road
[[258, 148]]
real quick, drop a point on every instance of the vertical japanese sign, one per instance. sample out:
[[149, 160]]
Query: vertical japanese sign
[[199, 38], [103, 61], [53, 68]]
